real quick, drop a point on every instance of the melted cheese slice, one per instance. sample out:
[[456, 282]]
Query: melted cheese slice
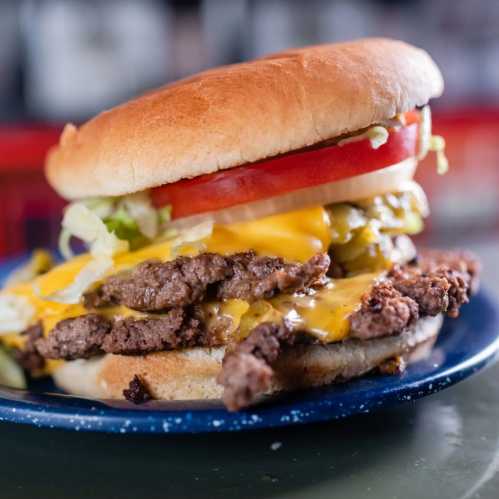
[[326, 312], [294, 236], [323, 313]]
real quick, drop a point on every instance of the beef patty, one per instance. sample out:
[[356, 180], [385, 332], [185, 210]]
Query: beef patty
[[440, 282], [155, 286]]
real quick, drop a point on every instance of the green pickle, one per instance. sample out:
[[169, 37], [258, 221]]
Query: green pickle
[[362, 232]]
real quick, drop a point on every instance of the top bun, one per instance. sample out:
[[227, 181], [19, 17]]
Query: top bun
[[241, 113]]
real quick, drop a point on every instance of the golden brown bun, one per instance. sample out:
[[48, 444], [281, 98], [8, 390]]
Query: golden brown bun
[[191, 374], [242, 113]]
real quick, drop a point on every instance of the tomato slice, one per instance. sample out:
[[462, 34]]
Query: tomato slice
[[283, 174]]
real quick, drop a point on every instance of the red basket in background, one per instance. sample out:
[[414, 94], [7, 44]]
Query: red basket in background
[[465, 201], [30, 210]]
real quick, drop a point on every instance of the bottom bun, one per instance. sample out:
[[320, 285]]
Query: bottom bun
[[191, 374]]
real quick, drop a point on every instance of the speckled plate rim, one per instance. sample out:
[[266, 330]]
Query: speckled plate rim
[[465, 346]]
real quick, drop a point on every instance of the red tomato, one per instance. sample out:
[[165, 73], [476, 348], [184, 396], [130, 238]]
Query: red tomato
[[283, 174]]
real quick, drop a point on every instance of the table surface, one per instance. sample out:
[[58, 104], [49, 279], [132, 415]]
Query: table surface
[[443, 446]]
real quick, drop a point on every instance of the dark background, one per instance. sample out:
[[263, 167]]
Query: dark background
[[66, 60]]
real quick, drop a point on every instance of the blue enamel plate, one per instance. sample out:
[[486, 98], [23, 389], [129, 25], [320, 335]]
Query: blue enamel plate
[[465, 346]]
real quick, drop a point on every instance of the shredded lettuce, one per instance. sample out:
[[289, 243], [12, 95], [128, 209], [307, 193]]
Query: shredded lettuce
[[424, 132], [84, 224], [81, 222], [102, 207], [192, 237], [429, 142], [377, 135], [113, 235], [165, 214], [16, 313], [106, 225], [124, 227], [437, 145], [141, 210], [65, 244]]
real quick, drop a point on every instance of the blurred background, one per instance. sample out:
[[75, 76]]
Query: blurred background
[[64, 60]]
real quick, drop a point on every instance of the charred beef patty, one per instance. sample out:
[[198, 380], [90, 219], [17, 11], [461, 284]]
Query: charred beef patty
[[439, 282], [157, 286], [137, 391], [154, 285], [76, 338], [384, 312], [246, 371]]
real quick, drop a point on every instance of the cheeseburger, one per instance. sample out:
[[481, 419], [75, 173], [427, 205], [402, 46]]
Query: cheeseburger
[[247, 231]]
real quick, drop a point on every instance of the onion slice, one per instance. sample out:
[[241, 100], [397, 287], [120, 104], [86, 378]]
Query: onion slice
[[389, 179]]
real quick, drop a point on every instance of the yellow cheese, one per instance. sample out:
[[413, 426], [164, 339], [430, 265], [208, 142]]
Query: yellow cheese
[[294, 236], [161, 251], [60, 277], [48, 312], [13, 340], [323, 313], [50, 316]]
